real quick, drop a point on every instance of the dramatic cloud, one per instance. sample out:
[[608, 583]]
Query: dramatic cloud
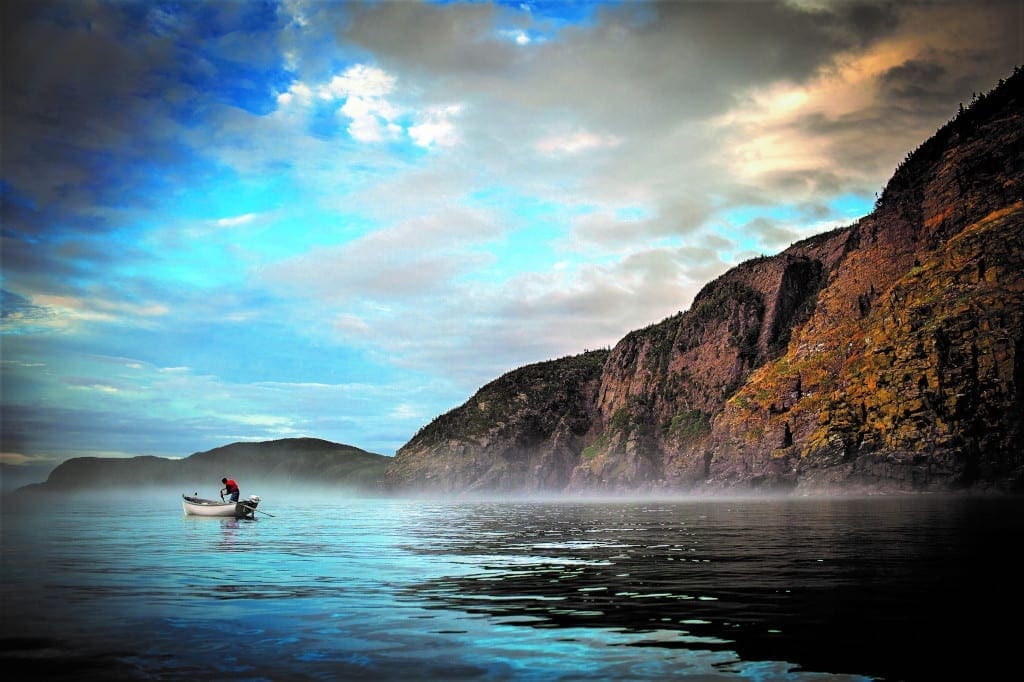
[[339, 219]]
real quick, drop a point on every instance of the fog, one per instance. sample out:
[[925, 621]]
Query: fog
[[303, 495]]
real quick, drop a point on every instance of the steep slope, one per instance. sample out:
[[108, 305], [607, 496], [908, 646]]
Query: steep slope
[[923, 391], [908, 374], [662, 386], [524, 432], [885, 355]]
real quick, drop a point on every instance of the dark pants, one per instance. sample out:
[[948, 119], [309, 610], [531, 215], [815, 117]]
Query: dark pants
[[234, 497]]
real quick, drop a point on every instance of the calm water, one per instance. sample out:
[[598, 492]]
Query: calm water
[[895, 589]]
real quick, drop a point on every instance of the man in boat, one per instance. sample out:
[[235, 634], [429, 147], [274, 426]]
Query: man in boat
[[231, 488]]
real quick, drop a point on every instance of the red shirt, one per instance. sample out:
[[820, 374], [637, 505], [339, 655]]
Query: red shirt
[[231, 486]]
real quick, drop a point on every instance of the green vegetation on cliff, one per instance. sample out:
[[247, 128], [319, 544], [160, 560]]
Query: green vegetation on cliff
[[544, 389]]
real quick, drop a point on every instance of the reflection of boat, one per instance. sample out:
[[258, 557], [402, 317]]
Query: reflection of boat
[[197, 506]]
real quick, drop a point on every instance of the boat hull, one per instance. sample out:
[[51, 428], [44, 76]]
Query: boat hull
[[197, 506]]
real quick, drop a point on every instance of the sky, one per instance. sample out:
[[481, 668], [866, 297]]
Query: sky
[[233, 221]]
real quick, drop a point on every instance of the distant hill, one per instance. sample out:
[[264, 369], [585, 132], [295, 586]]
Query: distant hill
[[290, 461], [883, 356], [14, 476]]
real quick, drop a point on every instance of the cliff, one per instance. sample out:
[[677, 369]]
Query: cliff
[[884, 356], [523, 432]]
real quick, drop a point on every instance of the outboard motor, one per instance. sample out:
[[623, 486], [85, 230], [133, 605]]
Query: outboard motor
[[254, 500]]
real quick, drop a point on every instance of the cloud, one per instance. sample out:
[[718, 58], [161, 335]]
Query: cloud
[[361, 81], [360, 94], [846, 127], [648, 124], [68, 307], [131, 407], [436, 127], [502, 324], [365, 95], [576, 142], [102, 117], [18, 459], [695, 96], [364, 89], [610, 229], [18, 315], [297, 216], [429, 38], [411, 260], [297, 92], [234, 221]]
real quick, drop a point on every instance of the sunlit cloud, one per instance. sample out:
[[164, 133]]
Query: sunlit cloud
[[435, 127], [90, 385], [519, 37], [18, 459], [67, 310], [270, 422], [362, 91], [360, 80], [234, 221], [297, 92]]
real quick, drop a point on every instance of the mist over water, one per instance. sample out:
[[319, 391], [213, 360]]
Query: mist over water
[[323, 586]]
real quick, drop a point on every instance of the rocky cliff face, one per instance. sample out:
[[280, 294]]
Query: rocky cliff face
[[888, 355], [522, 432]]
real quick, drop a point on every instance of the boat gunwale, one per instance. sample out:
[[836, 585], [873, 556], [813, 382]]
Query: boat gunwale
[[203, 502], [242, 509]]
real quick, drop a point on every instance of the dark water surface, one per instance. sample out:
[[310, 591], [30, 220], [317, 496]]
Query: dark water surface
[[916, 588]]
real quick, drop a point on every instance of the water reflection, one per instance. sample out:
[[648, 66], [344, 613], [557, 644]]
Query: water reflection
[[837, 587], [399, 590]]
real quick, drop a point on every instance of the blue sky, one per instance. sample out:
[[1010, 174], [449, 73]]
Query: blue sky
[[229, 221]]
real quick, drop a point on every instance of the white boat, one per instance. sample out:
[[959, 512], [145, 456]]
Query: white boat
[[197, 506]]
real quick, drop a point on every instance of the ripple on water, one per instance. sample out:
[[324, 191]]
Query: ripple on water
[[399, 590]]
